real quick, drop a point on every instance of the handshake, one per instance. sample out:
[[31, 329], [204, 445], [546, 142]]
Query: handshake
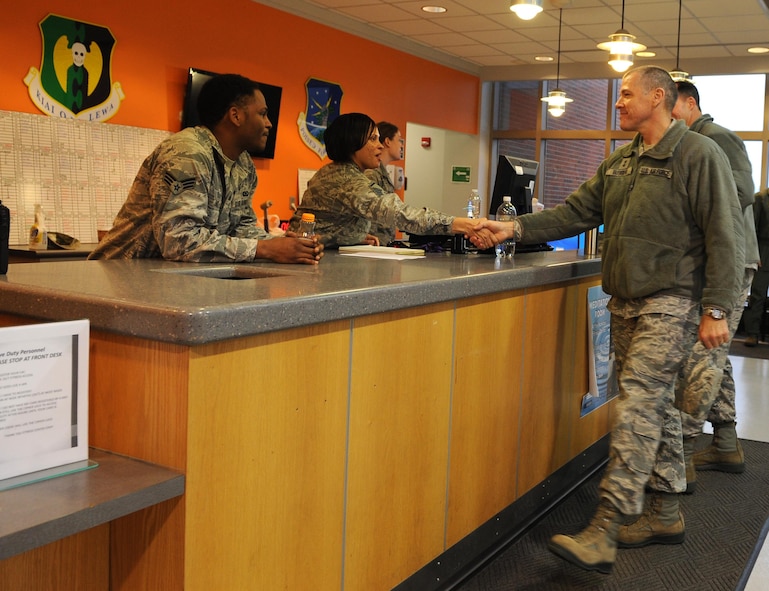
[[484, 233]]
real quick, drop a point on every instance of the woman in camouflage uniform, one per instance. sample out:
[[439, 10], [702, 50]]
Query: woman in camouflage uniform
[[346, 202]]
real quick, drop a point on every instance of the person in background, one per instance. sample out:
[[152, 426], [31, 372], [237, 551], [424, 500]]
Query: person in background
[[346, 202], [757, 301], [191, 199], [392, 150], [705, 388], [670, 260]]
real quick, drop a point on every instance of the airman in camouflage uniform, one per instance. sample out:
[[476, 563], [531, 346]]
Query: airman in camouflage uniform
[[191, 199], [706, 380], [673, 230], [178, 185], [346, 203]]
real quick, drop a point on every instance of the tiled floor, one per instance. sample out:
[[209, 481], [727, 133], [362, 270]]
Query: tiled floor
[[751, 378]]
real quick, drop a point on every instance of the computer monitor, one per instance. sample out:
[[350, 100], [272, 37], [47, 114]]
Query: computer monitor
[[515, 177]]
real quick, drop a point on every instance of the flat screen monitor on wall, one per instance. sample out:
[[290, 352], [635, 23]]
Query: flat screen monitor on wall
[[515, 177], [197, 78]]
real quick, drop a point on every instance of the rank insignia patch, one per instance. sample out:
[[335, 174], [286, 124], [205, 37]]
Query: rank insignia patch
[[178, 185]]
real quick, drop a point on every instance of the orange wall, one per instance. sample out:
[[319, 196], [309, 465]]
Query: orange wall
[[158, 40]]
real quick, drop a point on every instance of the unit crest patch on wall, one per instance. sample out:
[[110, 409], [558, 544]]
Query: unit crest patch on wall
[[75, 78], [323, 103]]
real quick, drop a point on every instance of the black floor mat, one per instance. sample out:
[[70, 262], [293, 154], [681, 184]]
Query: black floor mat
[[724, 521]]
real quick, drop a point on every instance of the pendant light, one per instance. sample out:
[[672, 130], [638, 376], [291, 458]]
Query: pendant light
[[556, 99], [621, 46], [678, 75], [526, 9]]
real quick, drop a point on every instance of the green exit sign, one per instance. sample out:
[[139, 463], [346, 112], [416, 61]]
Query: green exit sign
[[460, 174]]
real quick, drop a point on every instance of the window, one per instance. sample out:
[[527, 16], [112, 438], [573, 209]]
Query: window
[[570, 163], [570, 148], [516, 105], [588, 111]]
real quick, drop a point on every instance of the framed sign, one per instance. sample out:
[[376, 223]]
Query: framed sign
[[43, 397]]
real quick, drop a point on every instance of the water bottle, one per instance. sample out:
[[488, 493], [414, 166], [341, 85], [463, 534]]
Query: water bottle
[[506, 213], [38, 234], [474, 205], [307, 225], [5, 231], [463, 244]]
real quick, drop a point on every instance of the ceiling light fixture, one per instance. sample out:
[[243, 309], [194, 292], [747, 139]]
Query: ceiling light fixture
[[526, 9], [556, 99], [678, 75], [435, 9], [621, 47]]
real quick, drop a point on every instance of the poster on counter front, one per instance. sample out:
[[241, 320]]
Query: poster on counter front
[[602, 373], [43, 397]]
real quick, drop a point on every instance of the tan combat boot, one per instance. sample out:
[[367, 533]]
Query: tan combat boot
[[691, 472], [660, 523], [595, 547], [724, 453]]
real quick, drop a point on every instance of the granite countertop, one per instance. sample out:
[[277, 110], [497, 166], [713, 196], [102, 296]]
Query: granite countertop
[[192, 303]]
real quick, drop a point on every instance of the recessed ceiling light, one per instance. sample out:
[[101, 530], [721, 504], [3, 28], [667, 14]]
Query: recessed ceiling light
[[646, 54], [543, 58], [758, 49], [435, 9]]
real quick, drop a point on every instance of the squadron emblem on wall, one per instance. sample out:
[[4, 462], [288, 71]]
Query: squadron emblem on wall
[[74, 80], [323, 103]]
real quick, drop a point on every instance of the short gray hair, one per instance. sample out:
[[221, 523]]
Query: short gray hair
[[652, 77]]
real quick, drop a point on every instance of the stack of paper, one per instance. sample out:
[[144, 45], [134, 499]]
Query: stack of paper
[[381, 252]]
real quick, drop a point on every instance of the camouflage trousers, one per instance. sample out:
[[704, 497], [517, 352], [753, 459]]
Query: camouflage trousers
[[705, 387], [646, 446]]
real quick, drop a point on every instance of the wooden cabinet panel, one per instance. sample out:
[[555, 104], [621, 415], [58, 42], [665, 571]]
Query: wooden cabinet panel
[[138, 398], [399, 433], [266, 469], [485, 410], [549, 345], [75, 563]]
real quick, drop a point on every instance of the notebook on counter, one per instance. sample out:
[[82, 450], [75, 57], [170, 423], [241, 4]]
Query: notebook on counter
[[383, 250]]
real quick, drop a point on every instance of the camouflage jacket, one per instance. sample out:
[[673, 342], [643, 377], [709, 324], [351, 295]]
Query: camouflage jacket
[[345, 203], [189, 202]]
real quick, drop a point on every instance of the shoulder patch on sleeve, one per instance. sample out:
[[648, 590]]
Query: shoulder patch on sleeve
[[178, 185]]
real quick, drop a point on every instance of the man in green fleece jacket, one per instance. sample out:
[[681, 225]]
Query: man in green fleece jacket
[[671, 254]]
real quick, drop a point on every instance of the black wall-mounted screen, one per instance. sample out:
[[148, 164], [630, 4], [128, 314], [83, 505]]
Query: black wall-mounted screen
[[515, 177], [197, 78]]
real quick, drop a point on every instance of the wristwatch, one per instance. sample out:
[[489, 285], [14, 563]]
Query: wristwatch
[[716, 313]]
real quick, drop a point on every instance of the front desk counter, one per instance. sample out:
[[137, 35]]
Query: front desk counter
[[346, 426]]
